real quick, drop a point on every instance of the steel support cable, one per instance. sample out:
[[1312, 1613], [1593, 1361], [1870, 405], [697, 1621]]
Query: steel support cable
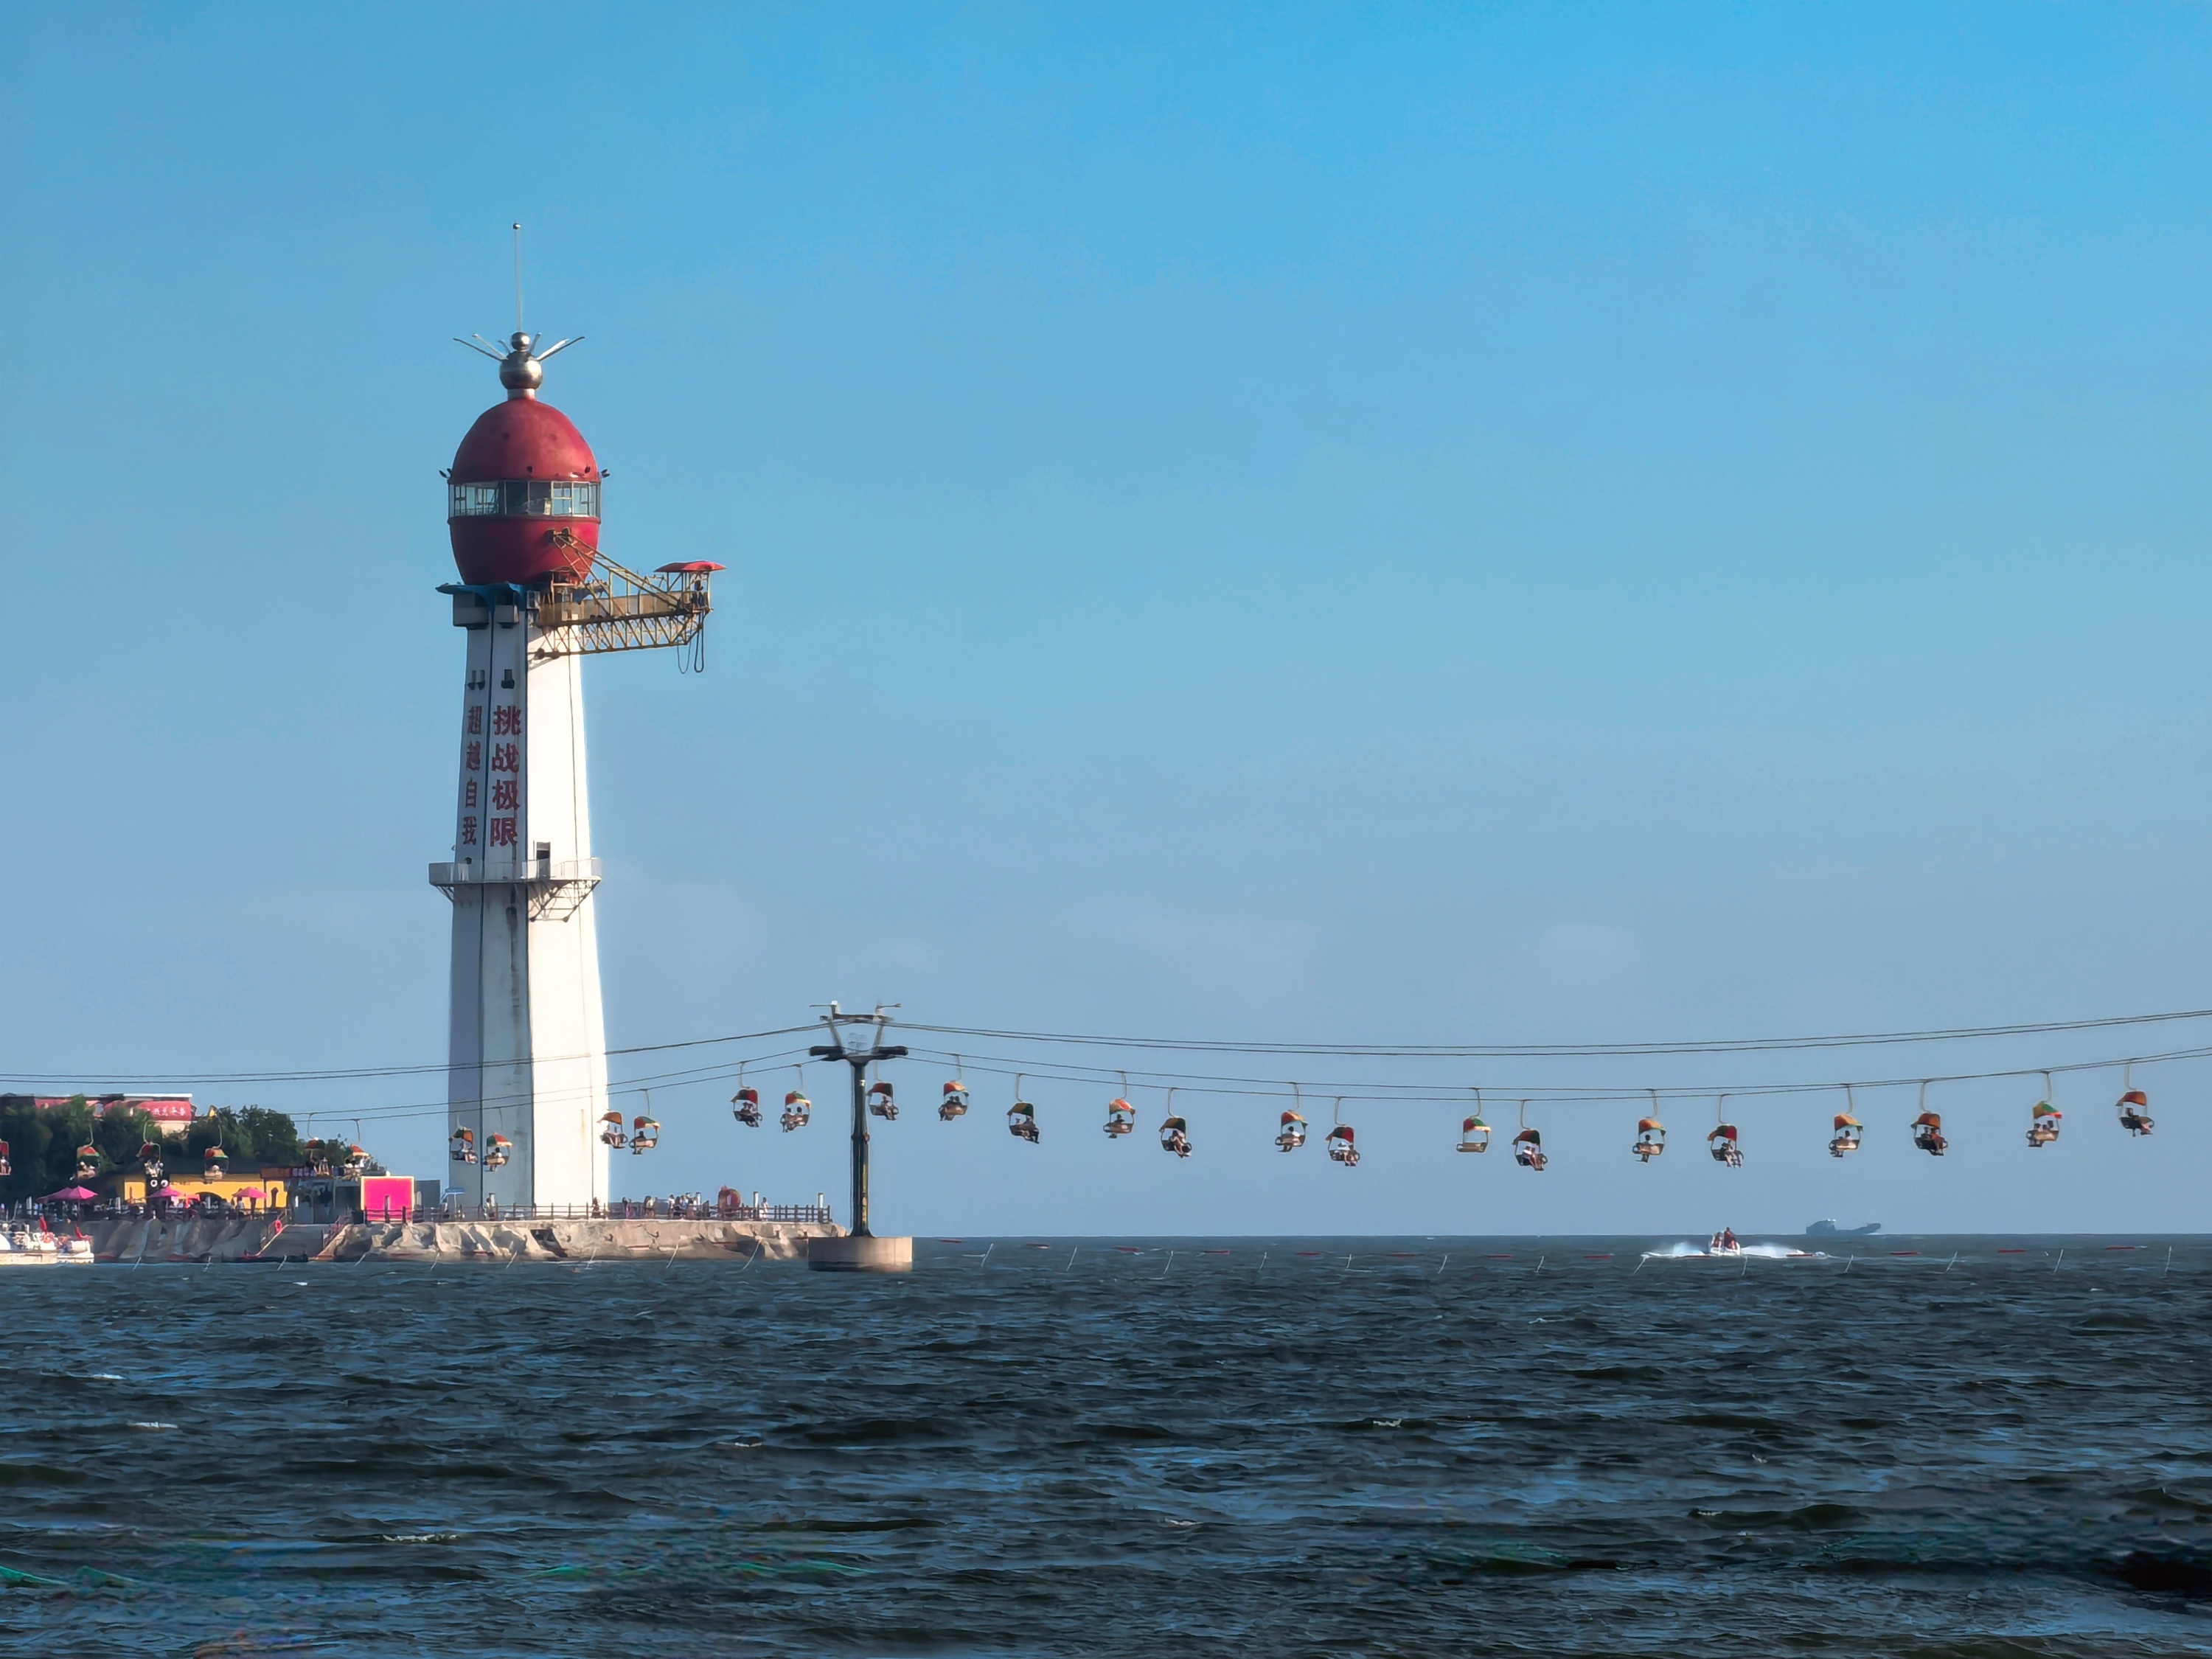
[[1406, 1051], [174, 1078], [1567, 1051]]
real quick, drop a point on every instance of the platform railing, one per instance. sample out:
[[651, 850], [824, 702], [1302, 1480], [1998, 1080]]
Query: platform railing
[[308, 1215]]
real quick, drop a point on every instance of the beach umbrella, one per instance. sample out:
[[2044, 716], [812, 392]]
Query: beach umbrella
[[70, 1195]]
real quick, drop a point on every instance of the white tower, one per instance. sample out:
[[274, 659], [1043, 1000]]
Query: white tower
[[526, 1088]]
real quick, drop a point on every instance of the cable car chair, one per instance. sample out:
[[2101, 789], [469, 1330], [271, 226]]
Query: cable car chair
[[1120, 1116], [1174, 1134], [1343, 1145], [356, 1160], [1021, 1116], [1528, 1143], [798, 1109], [1293, 1133], [88, 1161], [6, 1168], [610, 1130], [745, 1104], [149, 1161], [880, 1103], [465, 1146], [212, 1161], [644, 1133], [2134, 1104], [1847, 1127], [497, 1151], [2043, 1122], [1474, 1133], [1651, 1132], [1927, 1129], [955, 1102], [1721, 1139]]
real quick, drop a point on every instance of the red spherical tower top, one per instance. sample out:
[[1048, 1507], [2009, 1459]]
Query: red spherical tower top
[[523, 474]]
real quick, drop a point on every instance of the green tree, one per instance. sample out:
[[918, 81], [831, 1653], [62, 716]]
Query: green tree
[[250, 1137], [120, 1135]]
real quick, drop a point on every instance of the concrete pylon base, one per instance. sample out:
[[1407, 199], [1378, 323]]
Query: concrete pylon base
[[861, 1255]]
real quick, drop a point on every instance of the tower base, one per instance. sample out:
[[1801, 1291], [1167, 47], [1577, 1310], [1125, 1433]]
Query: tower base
[[861, 1255]]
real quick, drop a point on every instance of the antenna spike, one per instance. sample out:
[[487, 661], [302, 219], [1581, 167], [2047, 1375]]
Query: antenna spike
[[517, 277]]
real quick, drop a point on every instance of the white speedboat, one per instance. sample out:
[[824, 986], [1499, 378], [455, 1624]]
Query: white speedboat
[[73, 1252], [24, 1247]]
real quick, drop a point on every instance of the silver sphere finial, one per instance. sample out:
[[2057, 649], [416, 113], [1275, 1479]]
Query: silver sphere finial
[[520, 372], [522, 365]]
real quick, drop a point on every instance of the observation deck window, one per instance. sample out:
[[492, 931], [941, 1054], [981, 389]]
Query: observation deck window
[[525, 498]]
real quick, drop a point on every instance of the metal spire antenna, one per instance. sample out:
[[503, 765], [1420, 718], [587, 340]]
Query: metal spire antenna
[[859, 1048], [517, 277]]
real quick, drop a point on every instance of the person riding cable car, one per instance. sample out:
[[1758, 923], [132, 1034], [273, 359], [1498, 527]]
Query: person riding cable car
[[1723, 1144], [954, 1103], [1473, 1134], [1650, 1138], [1928, 1134], [1846, 1138], [747, 1102], [1341, 1146], [357, 1161], [88, 1161], [150, 1160], [880, 1103], [798, 1109], [644, 1133], [1175, 1137], [1021, 1122], [610, 1130], [1120, 1117], [1293, 1134], [1528, 1150], [212, 1161], [2042, 1126], [2135, 1108], [6, 1168], [464, 1147], [497, 1151]]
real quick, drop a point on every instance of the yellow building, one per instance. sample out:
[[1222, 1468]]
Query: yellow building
[[242, 1188]]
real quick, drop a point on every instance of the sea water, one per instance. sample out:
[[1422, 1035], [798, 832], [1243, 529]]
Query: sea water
[[1139, 1447]]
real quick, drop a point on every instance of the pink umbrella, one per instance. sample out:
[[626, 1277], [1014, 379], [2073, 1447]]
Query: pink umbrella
[[71, 1195], [171, 1192], [249, 1191]]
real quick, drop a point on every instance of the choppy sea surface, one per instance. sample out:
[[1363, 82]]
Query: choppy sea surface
[[1140, 1447]]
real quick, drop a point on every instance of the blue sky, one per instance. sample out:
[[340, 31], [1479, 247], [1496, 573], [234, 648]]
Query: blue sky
[[1388, 524]]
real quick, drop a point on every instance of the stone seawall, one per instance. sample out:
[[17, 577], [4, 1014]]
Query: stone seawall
[[243, 1239]]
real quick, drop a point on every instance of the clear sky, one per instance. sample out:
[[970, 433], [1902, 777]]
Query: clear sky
[[1392, 525]]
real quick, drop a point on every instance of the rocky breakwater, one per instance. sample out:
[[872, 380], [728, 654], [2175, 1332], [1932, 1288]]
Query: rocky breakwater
[[248, 1239]]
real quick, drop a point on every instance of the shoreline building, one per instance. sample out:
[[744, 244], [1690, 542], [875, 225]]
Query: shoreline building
[[526, 1089], [171, 1113]]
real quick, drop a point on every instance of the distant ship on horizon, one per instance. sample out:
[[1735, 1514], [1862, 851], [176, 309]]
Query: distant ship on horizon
[[1829, 1229]]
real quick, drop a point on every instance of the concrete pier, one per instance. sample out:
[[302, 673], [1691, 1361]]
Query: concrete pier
[[247, 1239]]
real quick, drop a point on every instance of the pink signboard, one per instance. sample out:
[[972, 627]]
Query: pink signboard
[[387, 1198]]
